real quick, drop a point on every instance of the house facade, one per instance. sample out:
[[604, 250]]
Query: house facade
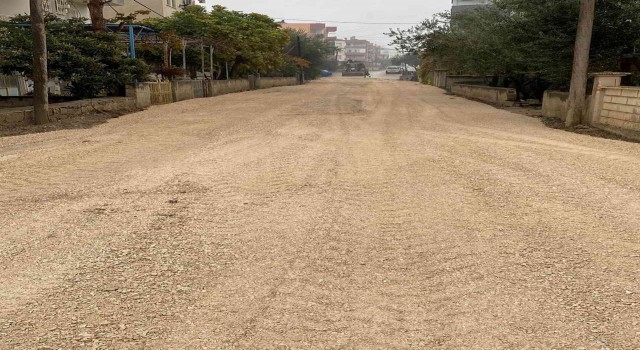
[[156, 8], [459, 6], [60, 8], [359, 50], [78, 8], [313, 29]]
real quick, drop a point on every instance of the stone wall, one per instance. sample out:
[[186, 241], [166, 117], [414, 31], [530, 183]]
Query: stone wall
[[621, 108], [492, 95], [59, 111]]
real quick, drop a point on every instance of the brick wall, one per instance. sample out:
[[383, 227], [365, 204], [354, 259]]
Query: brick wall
[[621, 108]]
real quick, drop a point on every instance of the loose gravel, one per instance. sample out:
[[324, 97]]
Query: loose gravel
[[343, 214]]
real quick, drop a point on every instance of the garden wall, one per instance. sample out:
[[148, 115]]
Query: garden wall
[[59, 111], [554, 104], [492, 95], [265, 83], [452, 80], [143, 95], [620, 109]]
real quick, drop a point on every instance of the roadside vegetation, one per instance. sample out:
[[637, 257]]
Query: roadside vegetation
[[95, 62], [525, 45]]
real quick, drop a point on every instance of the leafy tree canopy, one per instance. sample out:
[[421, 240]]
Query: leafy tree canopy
[[91, 62], [250, 43], [523, 39]]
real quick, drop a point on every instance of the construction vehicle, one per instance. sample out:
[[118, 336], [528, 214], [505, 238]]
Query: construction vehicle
[[354, 69]]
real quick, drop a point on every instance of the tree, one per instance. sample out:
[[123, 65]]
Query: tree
[[40, 78], [412, 60], [522, 43], [96, 12], [249, 43], [311, 56], [576, 99], [91, 62]]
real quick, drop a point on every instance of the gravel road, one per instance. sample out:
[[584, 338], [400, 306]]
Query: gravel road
[[343, 214]]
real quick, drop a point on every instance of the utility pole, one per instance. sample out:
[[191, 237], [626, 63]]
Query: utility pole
[[299, 44], [211, 61], [202, 58], [577, 92], [40, 74], [184, 58]]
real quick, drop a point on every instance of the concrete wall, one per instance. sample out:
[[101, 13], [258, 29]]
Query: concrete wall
[[221, 87], [153, 93], [27, 101], [183, 89], [439, 78], [492, 95], [620, 108], [610, 107], [143, 95], [59, 111], [554, 104], [265, 83], [462, 79]]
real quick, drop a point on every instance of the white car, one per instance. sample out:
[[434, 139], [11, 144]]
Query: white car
[[393, 70]]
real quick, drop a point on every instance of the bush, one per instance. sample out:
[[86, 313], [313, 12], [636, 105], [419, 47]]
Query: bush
[[92, 63]]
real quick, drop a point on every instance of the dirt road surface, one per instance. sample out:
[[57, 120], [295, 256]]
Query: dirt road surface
[[343, 214]]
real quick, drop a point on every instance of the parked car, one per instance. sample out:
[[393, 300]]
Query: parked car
[[393, 70], [326, 73]]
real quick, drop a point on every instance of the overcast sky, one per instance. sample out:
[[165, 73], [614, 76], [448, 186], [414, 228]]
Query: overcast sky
[[398, 11]]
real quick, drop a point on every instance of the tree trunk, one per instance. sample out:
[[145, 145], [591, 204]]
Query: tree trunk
[[40, 74], [96, 12], [577, 92]]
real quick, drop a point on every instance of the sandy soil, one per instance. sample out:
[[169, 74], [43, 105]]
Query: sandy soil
[[344, 214]]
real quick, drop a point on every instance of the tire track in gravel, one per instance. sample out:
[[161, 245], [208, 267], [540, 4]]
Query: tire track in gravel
[[344, 214]]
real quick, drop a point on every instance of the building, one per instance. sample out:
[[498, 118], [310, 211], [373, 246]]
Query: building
[[387, 53], [156, 8], [356, 49], [78, 8], [459, 6], [360, 50], [61, 8], [311, 29], [341, 46]]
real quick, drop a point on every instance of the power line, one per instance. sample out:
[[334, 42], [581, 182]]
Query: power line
[[345, 22]]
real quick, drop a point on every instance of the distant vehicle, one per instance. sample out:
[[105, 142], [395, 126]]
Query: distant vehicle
[[325, 73], [393, 70], [354, 69]]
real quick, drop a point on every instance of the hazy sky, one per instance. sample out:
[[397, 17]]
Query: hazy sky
[[399, 11]]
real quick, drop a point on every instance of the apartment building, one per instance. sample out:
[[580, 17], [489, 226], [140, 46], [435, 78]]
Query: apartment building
[[359, 50], [156, 8], [341, 46], [312, 29], [61, 8], [459, 6]]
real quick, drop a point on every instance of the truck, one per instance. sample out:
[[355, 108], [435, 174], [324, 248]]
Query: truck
[[354, 69]]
